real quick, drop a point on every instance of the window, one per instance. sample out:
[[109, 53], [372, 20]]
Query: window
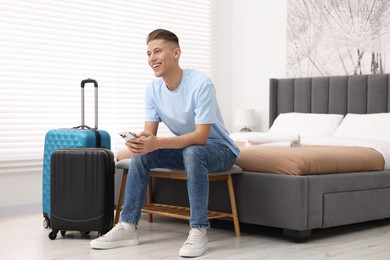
[[48, 47]]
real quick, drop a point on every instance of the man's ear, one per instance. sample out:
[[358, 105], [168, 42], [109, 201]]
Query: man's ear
[[177, 53]]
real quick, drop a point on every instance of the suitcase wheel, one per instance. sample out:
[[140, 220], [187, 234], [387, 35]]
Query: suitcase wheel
[[46, 223], [53, 234], [85, 233], [63, 232]]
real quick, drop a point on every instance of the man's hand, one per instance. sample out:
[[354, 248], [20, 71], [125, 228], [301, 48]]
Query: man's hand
[[143, 144], [147, 141]]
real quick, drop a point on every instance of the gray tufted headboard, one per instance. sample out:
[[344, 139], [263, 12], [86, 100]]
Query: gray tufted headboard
[[359, 94]]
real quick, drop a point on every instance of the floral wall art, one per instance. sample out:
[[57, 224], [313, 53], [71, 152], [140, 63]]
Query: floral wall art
[[338, 37]]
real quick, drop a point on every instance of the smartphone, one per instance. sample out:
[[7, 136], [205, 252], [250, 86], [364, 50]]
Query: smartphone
[[127, 135]]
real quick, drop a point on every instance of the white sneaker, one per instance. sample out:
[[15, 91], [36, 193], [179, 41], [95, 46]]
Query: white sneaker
[[116, 237], [196, 243]]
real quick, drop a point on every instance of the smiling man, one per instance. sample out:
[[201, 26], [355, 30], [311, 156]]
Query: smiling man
[[185, 101]]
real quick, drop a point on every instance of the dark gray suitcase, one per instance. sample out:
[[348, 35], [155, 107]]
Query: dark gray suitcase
[[81, 190]]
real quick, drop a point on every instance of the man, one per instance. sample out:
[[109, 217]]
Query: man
[[185, 101]]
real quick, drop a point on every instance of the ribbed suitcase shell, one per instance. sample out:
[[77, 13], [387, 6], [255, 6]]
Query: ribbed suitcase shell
[[65, 138], [82, 190]]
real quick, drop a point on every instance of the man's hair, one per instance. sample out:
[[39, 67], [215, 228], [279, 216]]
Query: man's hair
[[164, 35]]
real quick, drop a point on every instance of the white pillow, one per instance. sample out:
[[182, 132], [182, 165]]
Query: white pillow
[[367, 126], [307, 124]]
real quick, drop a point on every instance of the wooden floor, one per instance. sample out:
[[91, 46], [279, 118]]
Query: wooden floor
[[22, 236]]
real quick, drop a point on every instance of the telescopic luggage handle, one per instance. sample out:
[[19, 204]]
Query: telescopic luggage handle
[[83, 82]]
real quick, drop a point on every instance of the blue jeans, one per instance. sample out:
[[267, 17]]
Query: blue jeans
[[197, 160]]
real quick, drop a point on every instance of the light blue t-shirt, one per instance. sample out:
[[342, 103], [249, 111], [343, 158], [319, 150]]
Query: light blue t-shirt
[[193, 102]]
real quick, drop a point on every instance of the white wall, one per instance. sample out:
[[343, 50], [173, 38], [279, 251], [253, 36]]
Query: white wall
[[225, 36], [258, 52], [252, 36]]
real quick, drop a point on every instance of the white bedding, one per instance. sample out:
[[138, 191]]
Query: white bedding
[[256, 138], [363, 130]]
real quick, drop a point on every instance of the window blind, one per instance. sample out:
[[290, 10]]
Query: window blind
[[48, 46]]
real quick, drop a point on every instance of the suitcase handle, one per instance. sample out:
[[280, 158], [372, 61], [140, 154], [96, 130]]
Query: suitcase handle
[[83, 82], [89, 80], [95, 131]]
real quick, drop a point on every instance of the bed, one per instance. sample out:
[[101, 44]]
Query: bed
[[300, 203]]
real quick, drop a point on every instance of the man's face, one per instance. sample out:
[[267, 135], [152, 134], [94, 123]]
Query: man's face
[[162, 56]]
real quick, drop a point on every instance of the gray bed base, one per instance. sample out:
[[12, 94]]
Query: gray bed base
[[299, 204]]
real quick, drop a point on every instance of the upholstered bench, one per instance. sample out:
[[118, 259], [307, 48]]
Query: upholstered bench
[[177, 211]]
